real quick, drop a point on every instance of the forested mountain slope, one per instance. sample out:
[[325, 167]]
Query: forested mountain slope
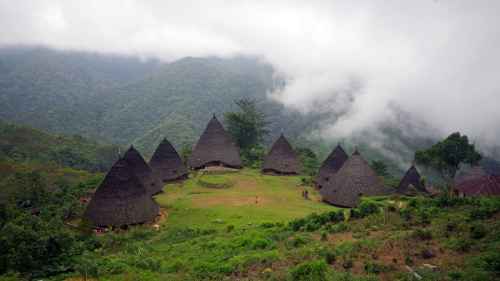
[[125, 100], [21, 144]]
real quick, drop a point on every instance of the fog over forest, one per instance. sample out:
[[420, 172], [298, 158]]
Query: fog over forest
[[369, 63]]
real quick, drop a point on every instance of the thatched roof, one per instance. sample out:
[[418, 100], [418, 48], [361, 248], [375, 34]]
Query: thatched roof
[[355, 179], [167, 164], [331, 165], [411, 184], [488, 185], [281, 159], [215, 147], [142, 170], [469, 173], [121, 199]]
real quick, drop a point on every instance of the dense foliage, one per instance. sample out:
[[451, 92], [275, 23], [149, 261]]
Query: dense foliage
[[34, 238], [23, 144], [125, 100], [447, 155], [248, 127]]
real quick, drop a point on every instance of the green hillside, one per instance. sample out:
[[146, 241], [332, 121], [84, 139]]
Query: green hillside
[[125, 100], [21, 144], [214, 228]]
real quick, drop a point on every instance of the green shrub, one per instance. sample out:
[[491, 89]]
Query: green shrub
[[11, 277], [490, 262], [339, 227], [422, 234], [330, 257], [459, 244], [367, 208], [477, 231], [375, 268], [297, 241], [324, 236], [313, 270], [405, 214]]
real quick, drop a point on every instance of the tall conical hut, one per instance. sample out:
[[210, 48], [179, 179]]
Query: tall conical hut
[[355, 179], [215, 148], [411, 184], [166, 163], [121, 199], [281, 159], [142, 170], [331, 166]]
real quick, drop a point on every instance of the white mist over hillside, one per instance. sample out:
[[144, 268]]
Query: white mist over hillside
[[365, 61]]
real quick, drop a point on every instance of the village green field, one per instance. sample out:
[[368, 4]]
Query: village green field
[[237, 198], [248, 226]]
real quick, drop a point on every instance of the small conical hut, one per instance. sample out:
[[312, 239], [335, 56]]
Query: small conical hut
[[355, 179], [330, 166], [121, 199], [143, 171], [411, 183], [281, 159], [488, 185], [215, 148], [166, 163]]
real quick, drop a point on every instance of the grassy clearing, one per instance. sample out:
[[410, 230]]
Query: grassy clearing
[[285, 237], [245, 198]]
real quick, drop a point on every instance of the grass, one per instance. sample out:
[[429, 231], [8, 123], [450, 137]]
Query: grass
[[224, 234], [251, 198]]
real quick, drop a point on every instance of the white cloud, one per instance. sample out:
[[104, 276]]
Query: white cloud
[[437, 59]]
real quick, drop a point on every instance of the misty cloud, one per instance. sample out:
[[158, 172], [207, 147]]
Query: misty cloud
[[437, 60]]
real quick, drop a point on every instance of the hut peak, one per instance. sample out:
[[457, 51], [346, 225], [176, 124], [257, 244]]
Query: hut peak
[[281, 158], [166, 163], [142, 170], [121, 199], [215, 147], [411, 178], [355, 179], [331, 165]]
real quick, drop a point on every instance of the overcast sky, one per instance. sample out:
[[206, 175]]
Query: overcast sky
[[437, 59]]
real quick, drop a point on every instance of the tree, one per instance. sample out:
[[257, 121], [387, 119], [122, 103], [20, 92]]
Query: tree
[[186, 151], [447, 155], [248, 125], [380, 168], [309, 161]]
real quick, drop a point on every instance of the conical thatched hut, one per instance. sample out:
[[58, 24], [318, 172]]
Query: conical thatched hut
[[355, 179], [143, 171], [411, 183], [121, 199], [167, 164], [488, 185], [215, 148], [281, 159], [330, 166]]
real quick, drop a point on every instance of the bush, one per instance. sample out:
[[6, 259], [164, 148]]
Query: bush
[[375, 268], [491, 262], [297, 241], [422, 234], [330, 257], [313, 270], [459, 244], [367, 208], [477, 231]]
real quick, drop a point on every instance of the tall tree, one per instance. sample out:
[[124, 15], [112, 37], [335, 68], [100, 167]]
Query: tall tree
[[248, 126], [380, 168], [447, 155]]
